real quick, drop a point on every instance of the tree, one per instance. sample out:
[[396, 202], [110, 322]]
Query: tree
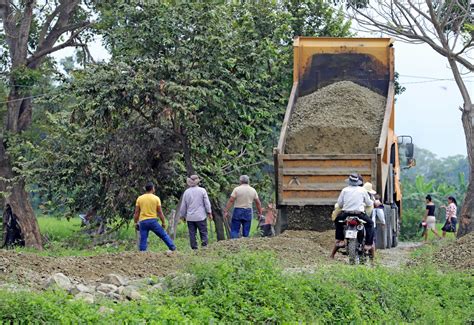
[[30, 32], [206, 94], [447, 27]]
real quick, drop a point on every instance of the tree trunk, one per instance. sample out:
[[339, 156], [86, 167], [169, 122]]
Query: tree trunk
[[19, 202], [218, 216], [467, 210]]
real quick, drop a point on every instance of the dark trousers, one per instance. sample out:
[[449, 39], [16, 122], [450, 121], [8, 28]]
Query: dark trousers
[[240, 218], [193, 226], [266, 230], [152, 224], [369, 227]]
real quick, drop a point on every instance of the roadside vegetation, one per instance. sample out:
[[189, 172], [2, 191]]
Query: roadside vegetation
[[251, 287]]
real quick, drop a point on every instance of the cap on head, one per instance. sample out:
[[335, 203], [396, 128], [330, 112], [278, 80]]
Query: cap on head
[[244, 179], [149, 186], [193, 180], [354, 180]]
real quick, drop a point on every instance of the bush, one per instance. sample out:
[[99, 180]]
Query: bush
[[249, 287], [409, 228]]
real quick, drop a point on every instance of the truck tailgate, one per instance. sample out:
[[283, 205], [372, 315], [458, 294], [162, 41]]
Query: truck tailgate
[[318, 179]]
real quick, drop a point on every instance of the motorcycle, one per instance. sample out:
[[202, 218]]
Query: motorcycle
[[354, 234]]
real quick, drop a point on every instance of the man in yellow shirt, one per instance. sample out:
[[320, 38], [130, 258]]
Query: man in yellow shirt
[[147, 209]]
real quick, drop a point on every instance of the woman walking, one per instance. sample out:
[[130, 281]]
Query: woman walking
[[429, 218], [451, 217]]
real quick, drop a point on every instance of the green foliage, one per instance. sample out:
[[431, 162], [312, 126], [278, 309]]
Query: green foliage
[[206, 94], [249, 287], [438, 177]]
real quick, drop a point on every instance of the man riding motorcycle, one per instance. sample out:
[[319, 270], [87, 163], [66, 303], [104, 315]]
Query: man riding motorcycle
[[353, 200]]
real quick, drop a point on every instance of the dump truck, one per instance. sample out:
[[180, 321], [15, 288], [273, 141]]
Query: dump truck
[[340, 119]]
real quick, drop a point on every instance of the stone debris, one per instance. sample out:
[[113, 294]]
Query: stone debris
[[458, 254], [80, 288], [342, 118], [59, 280], [105, 310], [106, 288], [87, 297], [114, 279]]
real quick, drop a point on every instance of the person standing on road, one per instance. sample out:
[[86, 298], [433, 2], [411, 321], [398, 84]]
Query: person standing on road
[[377, 214], [451, 216], [147, 208], [196, 208], [429, 218], [353, 201], [242, 198]]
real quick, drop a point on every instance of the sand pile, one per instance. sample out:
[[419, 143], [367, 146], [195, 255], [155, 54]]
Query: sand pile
[[341, 118]]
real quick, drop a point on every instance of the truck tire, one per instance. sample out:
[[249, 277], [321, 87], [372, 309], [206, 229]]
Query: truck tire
[[282, 221], [395, 226], [352, 251], [389, 228], [382, 242]]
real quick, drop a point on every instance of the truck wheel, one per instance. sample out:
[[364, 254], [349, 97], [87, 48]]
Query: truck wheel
[[282, 221], [395, 226], [382, 231], [388, 227], [352, 251]]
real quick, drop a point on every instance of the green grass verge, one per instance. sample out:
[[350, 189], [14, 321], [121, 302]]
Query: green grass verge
[[249, 287], [66, 238]]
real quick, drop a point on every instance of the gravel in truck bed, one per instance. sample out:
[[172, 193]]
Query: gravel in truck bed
[[342, 118]]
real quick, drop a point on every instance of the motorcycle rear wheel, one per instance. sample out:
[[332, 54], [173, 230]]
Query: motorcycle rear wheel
[[352, 251]]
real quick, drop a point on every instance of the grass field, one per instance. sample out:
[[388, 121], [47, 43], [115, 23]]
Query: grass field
[[66, 237]]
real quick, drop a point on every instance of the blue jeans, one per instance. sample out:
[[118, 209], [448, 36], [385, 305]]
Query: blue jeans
[[152, 224], [240, 217]]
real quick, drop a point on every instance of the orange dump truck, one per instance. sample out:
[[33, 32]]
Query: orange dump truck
[[321, 137]]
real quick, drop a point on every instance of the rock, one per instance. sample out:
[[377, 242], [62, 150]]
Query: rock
[[59, 280], [105, 310], [85, 296], [135, 295], [159, 286], [114, 279], [80, 288], [114, 296], [120, 290], [106, 288], [131, 293]]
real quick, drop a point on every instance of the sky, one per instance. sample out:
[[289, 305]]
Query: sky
[[427, 110]]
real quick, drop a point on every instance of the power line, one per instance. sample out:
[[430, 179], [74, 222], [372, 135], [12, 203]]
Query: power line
[[430, 81], [431, 78], [22, 98]]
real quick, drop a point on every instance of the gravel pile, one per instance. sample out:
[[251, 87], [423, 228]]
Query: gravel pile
[[459, 254], [342, 118]]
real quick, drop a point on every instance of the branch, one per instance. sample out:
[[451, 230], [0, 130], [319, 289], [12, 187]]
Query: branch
[[47, 24], [24, 32], [65, 11], [37, 56], [6, 13]]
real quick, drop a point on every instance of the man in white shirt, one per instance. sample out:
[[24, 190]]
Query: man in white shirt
[[196, 208], [242, 198], [353, 200]]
